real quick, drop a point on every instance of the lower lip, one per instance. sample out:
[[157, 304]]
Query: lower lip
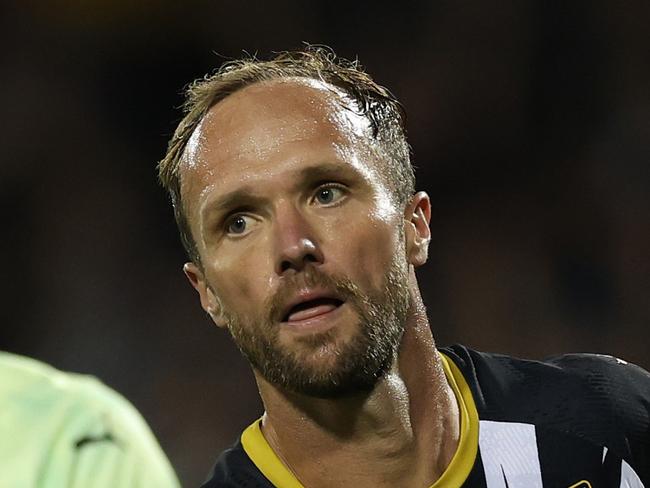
[[317, 323]]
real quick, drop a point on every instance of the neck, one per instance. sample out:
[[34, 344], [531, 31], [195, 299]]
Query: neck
[[402, 433]]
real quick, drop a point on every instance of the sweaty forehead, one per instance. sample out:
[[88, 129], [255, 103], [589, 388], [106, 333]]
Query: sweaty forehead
[[291, 99], [258, 118]]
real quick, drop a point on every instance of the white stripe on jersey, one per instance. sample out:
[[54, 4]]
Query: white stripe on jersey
[[629, 479], [509, 454], [510, 457]]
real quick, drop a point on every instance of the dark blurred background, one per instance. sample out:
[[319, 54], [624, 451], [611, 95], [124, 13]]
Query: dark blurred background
[[530, 124]]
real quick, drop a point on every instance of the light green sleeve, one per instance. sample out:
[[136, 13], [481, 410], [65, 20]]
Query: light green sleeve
[[63, 430]]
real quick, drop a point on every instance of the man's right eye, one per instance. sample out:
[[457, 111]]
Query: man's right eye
[[237, 224]]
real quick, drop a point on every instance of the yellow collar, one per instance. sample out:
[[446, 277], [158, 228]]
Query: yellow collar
[[263, 456]]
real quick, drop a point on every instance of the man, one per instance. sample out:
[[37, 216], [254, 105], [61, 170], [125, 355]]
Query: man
[[61, 430], [294, 196]]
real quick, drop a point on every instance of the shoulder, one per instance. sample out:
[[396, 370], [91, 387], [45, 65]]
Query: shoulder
[[31, 388], [594, 383], [595, 374], [41, 391], [600, 398], [64, 419], [26, 380]]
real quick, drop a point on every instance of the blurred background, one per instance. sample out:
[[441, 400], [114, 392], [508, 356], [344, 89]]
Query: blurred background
[[530, 126]]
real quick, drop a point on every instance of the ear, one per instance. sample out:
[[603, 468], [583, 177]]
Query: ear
[[209, 301], [417, 233]]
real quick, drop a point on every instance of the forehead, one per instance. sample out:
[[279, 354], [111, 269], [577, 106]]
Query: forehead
[[255, 123], [300, 105]]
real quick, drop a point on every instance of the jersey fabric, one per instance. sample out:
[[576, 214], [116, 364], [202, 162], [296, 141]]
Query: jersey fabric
[[67, 430], [572, 421]]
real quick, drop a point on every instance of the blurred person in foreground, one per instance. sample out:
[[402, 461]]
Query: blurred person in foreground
[[64, 430], [295, 199]]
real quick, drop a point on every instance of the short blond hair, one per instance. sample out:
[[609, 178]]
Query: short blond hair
[[384, 113]]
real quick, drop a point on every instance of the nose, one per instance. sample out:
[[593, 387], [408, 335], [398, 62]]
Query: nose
[[296, 243]]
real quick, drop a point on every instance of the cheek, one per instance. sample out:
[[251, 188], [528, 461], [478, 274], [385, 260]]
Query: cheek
[[368, 250], [240, 281]]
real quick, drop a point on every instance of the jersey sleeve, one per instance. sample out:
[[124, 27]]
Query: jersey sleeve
[[620, 393], [61, 429], [104, 442]]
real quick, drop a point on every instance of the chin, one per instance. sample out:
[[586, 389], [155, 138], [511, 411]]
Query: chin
[[335, 384], [331, 372]]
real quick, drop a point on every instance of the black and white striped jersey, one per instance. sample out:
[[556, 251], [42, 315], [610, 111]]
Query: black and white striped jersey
[[572, 421]]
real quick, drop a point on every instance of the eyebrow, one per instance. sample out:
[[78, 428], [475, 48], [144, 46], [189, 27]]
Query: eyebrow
[[246, 197], [243, 197], [324, 171]]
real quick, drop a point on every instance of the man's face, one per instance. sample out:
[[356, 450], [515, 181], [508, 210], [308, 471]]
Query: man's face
[[301, 242]]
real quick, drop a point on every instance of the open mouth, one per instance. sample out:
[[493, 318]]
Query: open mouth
[[312, 308]]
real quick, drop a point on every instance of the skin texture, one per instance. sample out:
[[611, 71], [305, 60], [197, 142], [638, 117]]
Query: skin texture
[[285, 196]]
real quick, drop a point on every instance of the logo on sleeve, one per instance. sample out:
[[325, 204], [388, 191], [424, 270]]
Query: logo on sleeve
[[93, 439], [581, 484]]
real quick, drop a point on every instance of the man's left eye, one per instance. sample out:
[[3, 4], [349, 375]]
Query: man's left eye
[[328, 194]]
